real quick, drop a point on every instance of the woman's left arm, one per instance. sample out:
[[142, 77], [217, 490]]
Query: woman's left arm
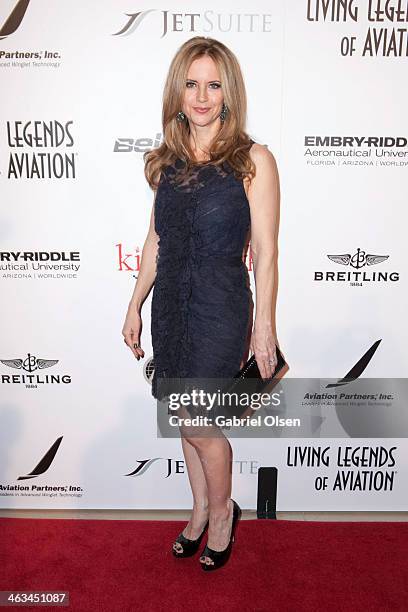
[[264, 199]]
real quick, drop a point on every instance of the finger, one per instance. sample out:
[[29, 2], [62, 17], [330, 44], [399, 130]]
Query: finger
[[137, 350], [273, 357], [262, 362], [268, 363], [273, 361], [264, 370], [131, 340], [268, 369]]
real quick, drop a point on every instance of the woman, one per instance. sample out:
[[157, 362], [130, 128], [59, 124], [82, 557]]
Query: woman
[[214, 188]]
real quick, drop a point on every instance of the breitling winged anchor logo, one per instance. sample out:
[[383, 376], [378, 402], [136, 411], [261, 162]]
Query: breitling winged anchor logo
[[30, 364], [358, 260]]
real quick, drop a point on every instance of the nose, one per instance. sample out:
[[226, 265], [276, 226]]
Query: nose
[[202, 93]]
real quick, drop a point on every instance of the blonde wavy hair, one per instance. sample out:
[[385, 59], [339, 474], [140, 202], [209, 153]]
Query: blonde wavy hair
[[231, 144]]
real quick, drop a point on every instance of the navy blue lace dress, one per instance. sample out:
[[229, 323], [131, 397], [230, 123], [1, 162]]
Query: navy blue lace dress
[[201, 309]]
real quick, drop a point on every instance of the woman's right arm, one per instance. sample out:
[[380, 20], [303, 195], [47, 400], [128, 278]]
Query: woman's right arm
[[145, 280], [147, 271]]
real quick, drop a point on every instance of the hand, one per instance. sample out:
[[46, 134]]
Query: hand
[[263, 346], [131, 331]]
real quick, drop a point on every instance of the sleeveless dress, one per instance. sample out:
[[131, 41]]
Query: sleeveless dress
[[201, 309]]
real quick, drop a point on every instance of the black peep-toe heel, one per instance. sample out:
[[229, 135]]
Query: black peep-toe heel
[[190, 547], [220, 557]]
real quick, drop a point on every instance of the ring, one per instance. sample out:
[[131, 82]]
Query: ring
[[136, 345]]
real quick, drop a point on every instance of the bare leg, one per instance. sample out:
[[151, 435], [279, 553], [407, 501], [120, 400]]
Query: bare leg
[[215, 454], [199, 489]]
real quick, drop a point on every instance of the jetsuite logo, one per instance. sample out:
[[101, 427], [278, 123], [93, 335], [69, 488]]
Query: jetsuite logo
[[357, 277], [201, 21], [171, 467], [41, 150], [31, 366]]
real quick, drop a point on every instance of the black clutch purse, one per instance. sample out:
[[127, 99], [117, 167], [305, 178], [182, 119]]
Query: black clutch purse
[[249, 380]]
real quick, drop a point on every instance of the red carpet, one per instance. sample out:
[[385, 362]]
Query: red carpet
[[275, 565]]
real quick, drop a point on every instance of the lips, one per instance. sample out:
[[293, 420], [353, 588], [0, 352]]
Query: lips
[[200, 110]]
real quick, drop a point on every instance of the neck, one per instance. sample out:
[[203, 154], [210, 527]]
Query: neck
[[201, 139]]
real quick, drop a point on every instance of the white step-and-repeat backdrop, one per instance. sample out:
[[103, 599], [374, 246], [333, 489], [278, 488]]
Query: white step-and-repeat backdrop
[[81, 95]]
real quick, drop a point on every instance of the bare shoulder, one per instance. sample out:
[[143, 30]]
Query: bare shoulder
[[266, 169], [262, 156]]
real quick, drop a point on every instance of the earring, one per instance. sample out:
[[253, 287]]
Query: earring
[[224, 112], [180, 116]]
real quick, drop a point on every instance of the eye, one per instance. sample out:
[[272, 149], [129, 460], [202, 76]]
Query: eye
[[190, 84]]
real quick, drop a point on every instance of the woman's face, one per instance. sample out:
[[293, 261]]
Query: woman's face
[[203, 91]]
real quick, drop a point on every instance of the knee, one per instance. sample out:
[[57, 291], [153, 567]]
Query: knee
[[200, 444]]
